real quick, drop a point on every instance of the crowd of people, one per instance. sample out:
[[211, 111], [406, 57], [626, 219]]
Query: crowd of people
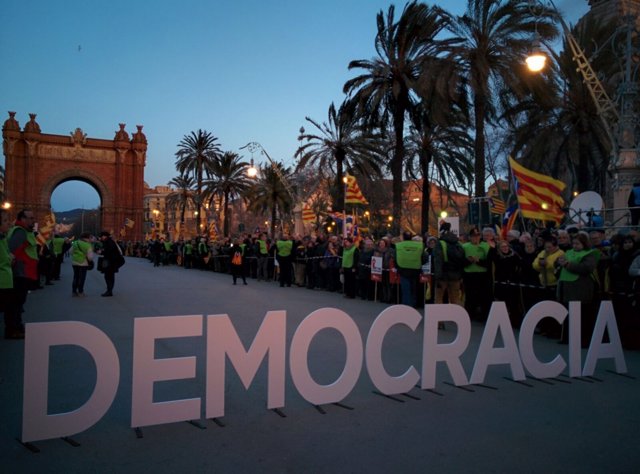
[[472, 270], [28, 264]]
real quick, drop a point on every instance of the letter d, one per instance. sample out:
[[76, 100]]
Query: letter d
[[36, 424]]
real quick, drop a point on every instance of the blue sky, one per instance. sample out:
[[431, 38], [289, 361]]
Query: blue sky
[[245, 70]]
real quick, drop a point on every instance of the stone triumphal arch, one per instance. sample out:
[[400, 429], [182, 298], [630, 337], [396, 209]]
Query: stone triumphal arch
[[36, 163]]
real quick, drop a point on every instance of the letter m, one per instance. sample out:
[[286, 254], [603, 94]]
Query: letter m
[[223, 341]]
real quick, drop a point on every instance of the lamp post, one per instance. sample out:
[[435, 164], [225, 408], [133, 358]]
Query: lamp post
[[252, 172]]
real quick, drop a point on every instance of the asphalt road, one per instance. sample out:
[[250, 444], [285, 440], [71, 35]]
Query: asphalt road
[[559, 425]]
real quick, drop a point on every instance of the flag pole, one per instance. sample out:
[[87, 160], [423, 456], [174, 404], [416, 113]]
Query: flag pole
[[344, 209], [514, 183]]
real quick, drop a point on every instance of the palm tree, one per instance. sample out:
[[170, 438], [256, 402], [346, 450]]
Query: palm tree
[[342, 143], [195, 155], [438, 151], [383, 91], [228, 180], [567, 138], [270, 194], [496, 35], [183, 197]]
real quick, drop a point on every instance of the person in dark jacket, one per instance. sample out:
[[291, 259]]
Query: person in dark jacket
[[448, 265], [110, 262], [507, 264]]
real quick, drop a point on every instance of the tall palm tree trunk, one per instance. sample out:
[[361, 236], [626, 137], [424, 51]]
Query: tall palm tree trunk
[[479, 107], [273, 219], [425, 159], [340, 191], [225, 226], [199, 191], [396, 169]]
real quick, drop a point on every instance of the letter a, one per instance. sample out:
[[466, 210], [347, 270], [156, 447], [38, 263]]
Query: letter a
[[598, 349], [490, 355]]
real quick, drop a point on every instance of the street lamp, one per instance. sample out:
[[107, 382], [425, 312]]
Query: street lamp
[[536, 60], [6, 205], [252, 171]]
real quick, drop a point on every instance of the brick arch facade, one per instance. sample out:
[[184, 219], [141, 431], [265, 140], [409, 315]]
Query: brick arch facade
[[35, 163]]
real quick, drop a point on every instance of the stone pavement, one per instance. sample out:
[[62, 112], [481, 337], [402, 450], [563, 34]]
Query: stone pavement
[[559, 425]]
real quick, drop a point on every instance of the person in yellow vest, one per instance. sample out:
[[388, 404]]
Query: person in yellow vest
[[577, 282], [262, 253], [349, 268], [24, 247], [409, 255], [7, 294], [476, 279], [545, 265], [81, 260], [284, 248], [60, 245]]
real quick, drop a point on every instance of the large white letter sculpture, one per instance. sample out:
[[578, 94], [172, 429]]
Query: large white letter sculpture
[[488, 354], [386, 320], [325, 318], [432, 352], [525, 340], [147, 370], [36, 424], [598, 349], [222, 340]]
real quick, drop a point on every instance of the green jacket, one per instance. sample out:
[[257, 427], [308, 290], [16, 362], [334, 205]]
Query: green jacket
[[284, 247], [6, 274], [409, 254]]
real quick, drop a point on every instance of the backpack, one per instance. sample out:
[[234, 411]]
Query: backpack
[[453, 255], [237, 258]]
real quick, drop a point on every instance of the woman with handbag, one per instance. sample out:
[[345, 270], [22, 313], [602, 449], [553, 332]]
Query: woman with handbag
[[81, 261], [111, 260]]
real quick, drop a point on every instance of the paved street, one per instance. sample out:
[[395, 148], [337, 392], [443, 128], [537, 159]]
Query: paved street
[[559, 425]]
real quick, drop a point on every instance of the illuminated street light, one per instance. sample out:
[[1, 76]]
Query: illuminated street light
[[443, 214], [252, 171], [390, 219], [6, 205], [536, 60]]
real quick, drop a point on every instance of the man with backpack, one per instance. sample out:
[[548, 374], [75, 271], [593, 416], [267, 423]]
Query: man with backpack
[[448, 265]]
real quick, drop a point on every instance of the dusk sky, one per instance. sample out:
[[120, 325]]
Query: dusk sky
[[245, 70]]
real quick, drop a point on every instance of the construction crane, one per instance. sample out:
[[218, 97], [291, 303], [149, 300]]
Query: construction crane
[[606, 108]]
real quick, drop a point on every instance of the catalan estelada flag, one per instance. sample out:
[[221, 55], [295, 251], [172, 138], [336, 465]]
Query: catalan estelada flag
[[510, 216], [307, 214], [353, 194], [497, 205], [539, 195]]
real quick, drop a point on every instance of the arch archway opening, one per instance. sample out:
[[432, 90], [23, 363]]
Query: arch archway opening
[[77, 205]]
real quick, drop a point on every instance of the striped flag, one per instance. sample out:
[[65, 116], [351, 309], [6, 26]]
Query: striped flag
[[129, 223], [44, 231], [353, 194], [307, 214], [539, 195], [510, 217], [497, 206]]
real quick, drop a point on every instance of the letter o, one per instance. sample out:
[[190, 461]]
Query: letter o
[[325, 318]]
